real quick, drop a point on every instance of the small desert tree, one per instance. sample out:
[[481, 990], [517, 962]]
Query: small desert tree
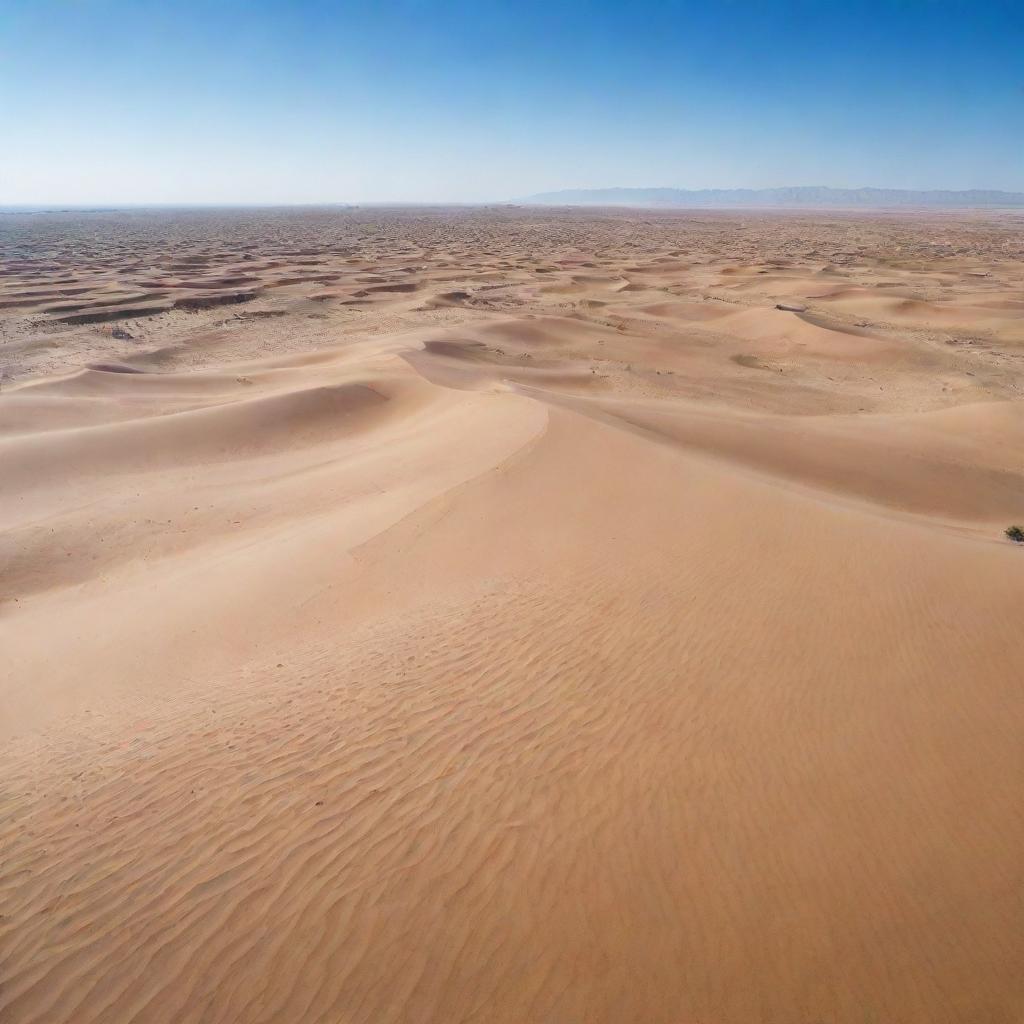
[[1015, 533]]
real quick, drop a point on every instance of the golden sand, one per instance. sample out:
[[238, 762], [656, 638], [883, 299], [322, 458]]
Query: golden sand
[[508, 616]]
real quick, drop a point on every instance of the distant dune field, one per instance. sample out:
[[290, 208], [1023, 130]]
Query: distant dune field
[[511, 616]]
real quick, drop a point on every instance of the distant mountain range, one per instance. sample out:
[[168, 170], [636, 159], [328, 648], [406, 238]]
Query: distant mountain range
[[809, 196]]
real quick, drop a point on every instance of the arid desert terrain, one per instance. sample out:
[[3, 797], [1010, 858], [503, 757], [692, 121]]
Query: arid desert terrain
[[511, 616]]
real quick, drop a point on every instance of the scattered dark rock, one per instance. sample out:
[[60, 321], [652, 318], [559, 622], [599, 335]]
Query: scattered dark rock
[[121, 334], [102, 315], [194, 303]]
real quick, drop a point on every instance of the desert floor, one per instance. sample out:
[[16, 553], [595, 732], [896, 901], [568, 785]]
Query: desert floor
[[511, 616]]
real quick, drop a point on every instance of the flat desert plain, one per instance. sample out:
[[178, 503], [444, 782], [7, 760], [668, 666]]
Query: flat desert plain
[[513, 617]]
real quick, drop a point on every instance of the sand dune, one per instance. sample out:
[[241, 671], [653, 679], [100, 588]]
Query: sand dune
[[524, 624]]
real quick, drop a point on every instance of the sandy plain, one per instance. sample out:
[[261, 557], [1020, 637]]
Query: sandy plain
[[511, 616]]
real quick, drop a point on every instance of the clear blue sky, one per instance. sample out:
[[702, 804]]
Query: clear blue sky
[[306, 101]]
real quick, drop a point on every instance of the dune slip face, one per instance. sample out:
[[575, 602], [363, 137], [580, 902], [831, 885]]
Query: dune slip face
[[508, 615]]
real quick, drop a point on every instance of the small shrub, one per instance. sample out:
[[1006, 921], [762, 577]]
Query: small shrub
[[1016, 534]]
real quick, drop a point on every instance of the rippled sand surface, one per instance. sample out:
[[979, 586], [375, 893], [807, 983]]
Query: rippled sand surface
[[511, 616]]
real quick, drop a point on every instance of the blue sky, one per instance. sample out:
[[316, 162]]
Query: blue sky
[[307, 101]]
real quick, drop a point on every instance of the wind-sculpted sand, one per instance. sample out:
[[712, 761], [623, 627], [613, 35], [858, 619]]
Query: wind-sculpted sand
[[511, 616]]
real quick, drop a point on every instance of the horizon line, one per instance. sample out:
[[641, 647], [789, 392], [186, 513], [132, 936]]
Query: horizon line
[[113, 205]]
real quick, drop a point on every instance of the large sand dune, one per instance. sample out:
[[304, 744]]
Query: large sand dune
[[498, 616]]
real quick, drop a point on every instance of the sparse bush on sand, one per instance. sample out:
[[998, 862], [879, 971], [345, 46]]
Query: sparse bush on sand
[[1016, 534]]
